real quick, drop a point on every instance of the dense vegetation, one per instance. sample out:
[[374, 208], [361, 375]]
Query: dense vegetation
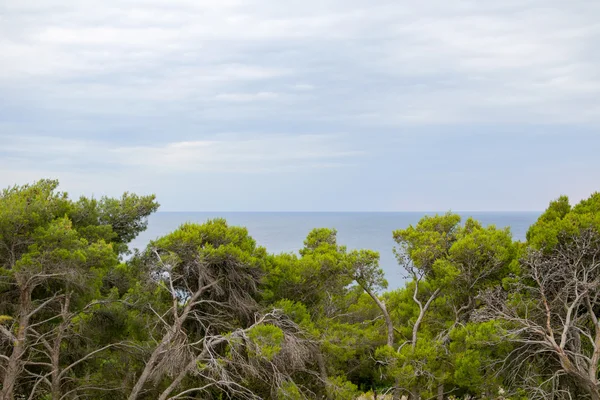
[[205, 313]]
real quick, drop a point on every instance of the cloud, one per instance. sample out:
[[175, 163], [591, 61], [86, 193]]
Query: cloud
[[436, 62], [243, 97], [303, 87], [225, 153], [137, 88], [259, 154]]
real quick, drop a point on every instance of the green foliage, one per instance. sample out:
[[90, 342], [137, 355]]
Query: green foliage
[[450, 265], [24, 209], [115, 220], [53, 262], [561, 222], [474, 348], [267, 340], [289, 390], [297, 312], [64, 282], [320, 272], [338, 388], [321, 240], [224, 257], [425, 243], [363, 267]]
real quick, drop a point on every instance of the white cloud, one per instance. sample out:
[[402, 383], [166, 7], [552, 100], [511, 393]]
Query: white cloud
[[155, 81], [264, 154], [225, 153], [303, 87], [244, 97], [532, 61]]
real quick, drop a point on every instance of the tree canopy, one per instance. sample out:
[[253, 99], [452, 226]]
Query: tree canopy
[[205, 312]]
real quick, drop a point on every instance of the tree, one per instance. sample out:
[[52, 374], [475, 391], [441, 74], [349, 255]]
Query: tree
[[345, 322], [550, 310], [422, 251], [449, 264], [204, 312], [48, 270], [211, 332]]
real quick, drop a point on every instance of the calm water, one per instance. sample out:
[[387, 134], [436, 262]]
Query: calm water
[[285, 232]]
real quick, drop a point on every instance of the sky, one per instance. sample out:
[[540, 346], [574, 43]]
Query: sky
[[312, 105]]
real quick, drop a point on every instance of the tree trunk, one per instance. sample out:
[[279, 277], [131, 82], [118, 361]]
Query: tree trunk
[[414, 394], [440, 392], [396, 395], [56, 349], [168, 337], [139, 385], [55, 387], [177, 381], [137, 388], [592, 388], [423, 311], [15, 365], [388, 320], [322, 370], [589, 384]]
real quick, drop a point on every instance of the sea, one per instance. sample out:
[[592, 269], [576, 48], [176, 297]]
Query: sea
[[285, 231]]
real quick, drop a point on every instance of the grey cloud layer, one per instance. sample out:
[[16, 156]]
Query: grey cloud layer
[[207, 86], [388, 62], [273, 153]]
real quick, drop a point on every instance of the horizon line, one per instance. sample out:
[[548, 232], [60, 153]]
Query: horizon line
[[349, 212]]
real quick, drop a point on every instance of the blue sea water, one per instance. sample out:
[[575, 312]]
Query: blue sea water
[[286, 231]]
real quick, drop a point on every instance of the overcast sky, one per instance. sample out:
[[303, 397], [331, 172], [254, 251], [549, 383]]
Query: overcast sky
[[338, 105]]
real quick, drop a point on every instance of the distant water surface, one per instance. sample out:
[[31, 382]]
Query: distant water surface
[[286, 231]]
